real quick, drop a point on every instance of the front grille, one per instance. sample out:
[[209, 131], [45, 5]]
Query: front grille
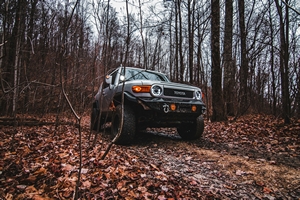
[[178, 93]]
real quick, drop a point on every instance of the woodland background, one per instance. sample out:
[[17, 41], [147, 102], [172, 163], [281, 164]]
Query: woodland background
[[245, 55]]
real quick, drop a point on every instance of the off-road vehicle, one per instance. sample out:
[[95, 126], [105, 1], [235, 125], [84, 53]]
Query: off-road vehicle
[[150, 100]]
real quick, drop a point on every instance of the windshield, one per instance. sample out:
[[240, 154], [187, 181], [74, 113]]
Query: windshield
[[135, 74]]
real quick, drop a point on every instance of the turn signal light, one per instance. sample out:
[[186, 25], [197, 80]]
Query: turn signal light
[[141, 88], [194, 108], [173, 107]]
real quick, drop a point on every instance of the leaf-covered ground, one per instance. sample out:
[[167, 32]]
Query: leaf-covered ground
[[255, 157]]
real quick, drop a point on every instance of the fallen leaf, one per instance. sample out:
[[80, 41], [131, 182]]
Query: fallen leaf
[[260, 183], [193, 182], [188, 158], [267, 190], [67, 167], [161, 197], [41, 171], [9, 196], [142, 189], [239, 172], [86, 184], [84, 171], [31, 189]]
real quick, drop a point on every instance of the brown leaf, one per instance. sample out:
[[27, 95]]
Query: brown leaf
[[9, 196], [38, 197], [31, 189], [239, 172], [31, 179], [67, 167], [86, 184], [142, 189], [41, 171], [193, 182], [260, 183], [161, 197], [267, 190]]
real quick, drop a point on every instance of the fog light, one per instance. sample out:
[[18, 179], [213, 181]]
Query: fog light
[[194, 108], [173, 107]]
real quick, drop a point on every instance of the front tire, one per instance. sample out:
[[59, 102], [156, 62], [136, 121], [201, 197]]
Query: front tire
[[129, 125], [191, 131]]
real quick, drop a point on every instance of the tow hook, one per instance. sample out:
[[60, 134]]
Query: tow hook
[[166, 108]]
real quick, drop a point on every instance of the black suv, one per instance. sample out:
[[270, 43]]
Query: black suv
[[150, 100]]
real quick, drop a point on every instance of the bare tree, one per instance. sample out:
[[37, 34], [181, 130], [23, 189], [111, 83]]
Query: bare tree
[[216, 73], [142, 36], [191, 29], [284, 60], [243, 94], [128, 35], [272, 63], [228, 64]]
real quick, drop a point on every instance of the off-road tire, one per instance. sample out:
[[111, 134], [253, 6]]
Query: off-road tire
[[191, 131], [129, 125]]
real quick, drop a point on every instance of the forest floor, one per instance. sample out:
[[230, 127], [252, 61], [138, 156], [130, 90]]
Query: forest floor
[[254, 157]]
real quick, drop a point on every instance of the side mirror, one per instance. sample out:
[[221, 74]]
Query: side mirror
[[108, 79]]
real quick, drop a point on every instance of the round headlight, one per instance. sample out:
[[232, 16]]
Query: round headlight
[[156, 90], [198, 95]]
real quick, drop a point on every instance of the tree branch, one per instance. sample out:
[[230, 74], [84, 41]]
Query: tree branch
[[290, 7]]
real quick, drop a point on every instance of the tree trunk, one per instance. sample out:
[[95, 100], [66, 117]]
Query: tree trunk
[[18, 33], [191, 24], [171, 61], [176, 43], [128, 34], [229, 68], [273, 85], [216, 72], [284, 60], [244, 62], [142, 37], [181, 67]]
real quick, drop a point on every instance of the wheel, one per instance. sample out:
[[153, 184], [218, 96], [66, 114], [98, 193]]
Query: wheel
[[191, 131], [129, 125]]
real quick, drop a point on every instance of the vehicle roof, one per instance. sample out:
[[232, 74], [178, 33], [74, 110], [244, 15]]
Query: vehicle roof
[[135, 68]]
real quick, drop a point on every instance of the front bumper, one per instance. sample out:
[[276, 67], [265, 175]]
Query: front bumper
[[160, 112], [171, 106], [166, 105]]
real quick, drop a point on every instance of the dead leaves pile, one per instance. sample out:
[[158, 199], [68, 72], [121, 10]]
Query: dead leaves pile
[[254, 157], [259, 136]]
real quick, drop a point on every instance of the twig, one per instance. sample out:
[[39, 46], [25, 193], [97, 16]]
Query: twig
[[69, 103], [290, 7]]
